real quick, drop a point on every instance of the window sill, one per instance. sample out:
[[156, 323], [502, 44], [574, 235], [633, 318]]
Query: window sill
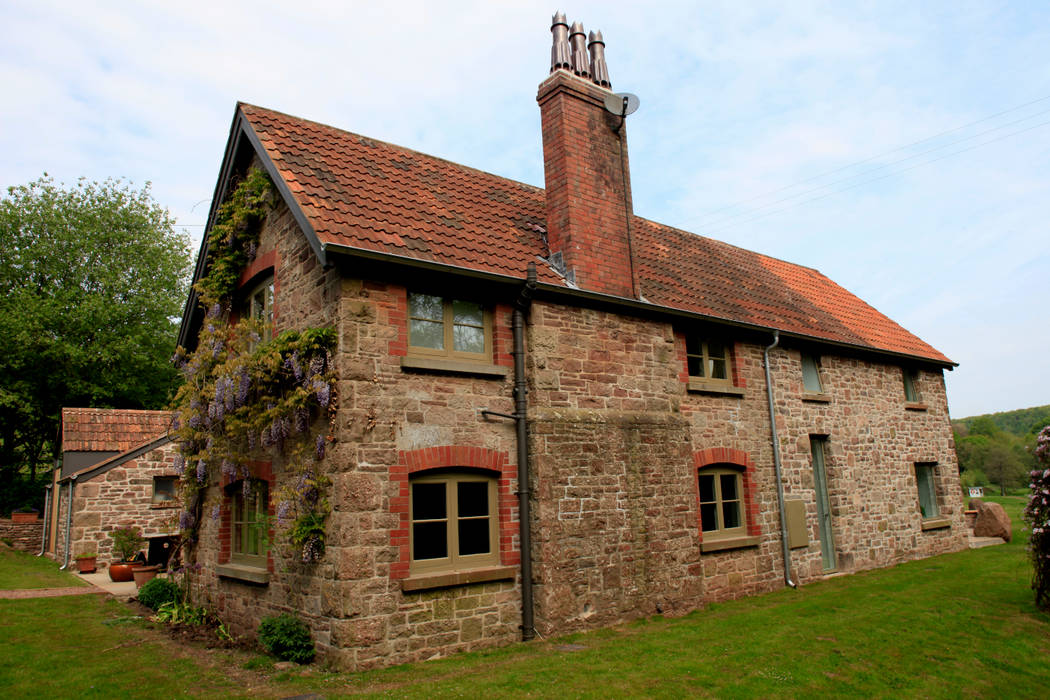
[[915, 406], [814, 397], [936, 524], [161, 506], [728, 543], [422, 582], [441, 364], [240, 572], [708, 387]]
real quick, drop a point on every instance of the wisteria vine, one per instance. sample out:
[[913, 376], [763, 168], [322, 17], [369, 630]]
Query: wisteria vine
[[1037, 515], [244, 400]]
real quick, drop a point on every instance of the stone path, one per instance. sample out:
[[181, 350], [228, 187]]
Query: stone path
[[49, 592]]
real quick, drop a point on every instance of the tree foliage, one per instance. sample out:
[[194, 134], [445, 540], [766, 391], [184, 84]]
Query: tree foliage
[[989, 455], [92, 282], [1037, 515]]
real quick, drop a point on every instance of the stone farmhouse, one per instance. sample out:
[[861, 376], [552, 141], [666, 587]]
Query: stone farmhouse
[[554, 414], [117, 471]]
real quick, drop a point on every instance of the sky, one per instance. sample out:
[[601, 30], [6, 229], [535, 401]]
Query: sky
[[901, 148]]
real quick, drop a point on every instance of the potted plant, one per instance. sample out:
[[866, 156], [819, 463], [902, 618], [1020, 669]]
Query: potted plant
[[126, 543], [24, 515], [86, 562]]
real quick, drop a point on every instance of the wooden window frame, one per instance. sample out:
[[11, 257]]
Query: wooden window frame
[[258, 522], [448, 324], [703, 383], [454, 562], [720, 532]]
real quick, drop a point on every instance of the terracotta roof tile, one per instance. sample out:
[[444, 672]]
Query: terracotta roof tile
[[110, 430], [378, 197]]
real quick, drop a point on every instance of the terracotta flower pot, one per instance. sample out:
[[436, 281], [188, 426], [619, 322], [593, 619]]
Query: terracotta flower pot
[[86, 565], [142, 574], [121, 571]]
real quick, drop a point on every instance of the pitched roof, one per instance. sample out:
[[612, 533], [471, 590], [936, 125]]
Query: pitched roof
[[109, 429], [375, 197]]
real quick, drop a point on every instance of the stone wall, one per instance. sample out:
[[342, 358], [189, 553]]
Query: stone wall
[[617, 436], [118, 498], [23, 536]]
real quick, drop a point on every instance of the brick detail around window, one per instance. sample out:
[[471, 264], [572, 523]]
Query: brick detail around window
[[268, 261], [727, 455], [395, 309], [259, 470], [414, 461]]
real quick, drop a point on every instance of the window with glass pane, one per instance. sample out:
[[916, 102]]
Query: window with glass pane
[[250, 508], [258, 306], [453, 522], [721, 502], [707, 359], [164, 490], [811, 374], [450, 327], [911, 392], [927, 490]]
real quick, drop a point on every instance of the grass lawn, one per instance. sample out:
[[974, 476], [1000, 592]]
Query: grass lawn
[[22, 570], [956, 625]]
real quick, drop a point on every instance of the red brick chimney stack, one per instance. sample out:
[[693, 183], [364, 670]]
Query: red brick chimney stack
[[585, 167]]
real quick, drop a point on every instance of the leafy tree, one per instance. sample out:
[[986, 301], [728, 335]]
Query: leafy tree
[[92, 282]]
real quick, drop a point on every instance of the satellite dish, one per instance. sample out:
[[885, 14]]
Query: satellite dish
[[622, 103]]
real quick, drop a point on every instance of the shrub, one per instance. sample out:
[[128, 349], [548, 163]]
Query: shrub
[[1037, 515], [287, 637], [126, 543], [157, 592]]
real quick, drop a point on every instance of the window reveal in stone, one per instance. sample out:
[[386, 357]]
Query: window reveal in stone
[[811, 374], [164, 490], [250, 508], [927, 491], [258, 305], [911, 392]]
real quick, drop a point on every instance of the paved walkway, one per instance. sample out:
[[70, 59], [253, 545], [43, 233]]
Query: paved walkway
[[48, 592], [99, 584]]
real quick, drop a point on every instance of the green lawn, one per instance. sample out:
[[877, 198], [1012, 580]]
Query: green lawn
[[22, 570], [956, 625]]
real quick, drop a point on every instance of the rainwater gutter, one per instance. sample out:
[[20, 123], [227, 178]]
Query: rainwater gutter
[[776, 463], [47, 520], [69, 521]]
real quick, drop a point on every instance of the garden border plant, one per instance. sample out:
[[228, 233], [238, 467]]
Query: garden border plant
[[245, 400], [1037, 515]]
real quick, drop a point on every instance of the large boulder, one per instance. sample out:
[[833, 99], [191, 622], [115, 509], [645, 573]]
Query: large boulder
[[992, 521]]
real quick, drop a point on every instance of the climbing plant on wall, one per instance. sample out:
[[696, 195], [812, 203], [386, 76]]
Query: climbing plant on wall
[[245, 399], [1037, 515]]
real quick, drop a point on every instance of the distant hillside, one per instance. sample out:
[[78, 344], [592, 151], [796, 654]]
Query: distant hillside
[[1020, 422]]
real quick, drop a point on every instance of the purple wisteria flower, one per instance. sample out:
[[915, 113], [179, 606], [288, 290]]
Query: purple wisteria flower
[[292, 364], [323, 391], [215, 512], [215, 310], [179, 464], [284, 510], [312, 550], [317, 365], [185, 520], [243, 385], [202, 471], [302, 419], [228, 469], [319, 447]]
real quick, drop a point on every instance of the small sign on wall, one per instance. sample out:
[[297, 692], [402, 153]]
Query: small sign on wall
[[976, 491]]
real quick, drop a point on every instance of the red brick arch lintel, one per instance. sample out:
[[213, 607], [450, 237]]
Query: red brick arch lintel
[[444, 456], [728, 455]]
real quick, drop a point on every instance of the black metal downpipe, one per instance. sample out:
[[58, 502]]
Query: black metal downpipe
[[521, 405]]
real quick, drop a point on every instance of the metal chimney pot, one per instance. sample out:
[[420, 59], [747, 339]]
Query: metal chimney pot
[[577, 38], [560, 53], [599, 70]]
